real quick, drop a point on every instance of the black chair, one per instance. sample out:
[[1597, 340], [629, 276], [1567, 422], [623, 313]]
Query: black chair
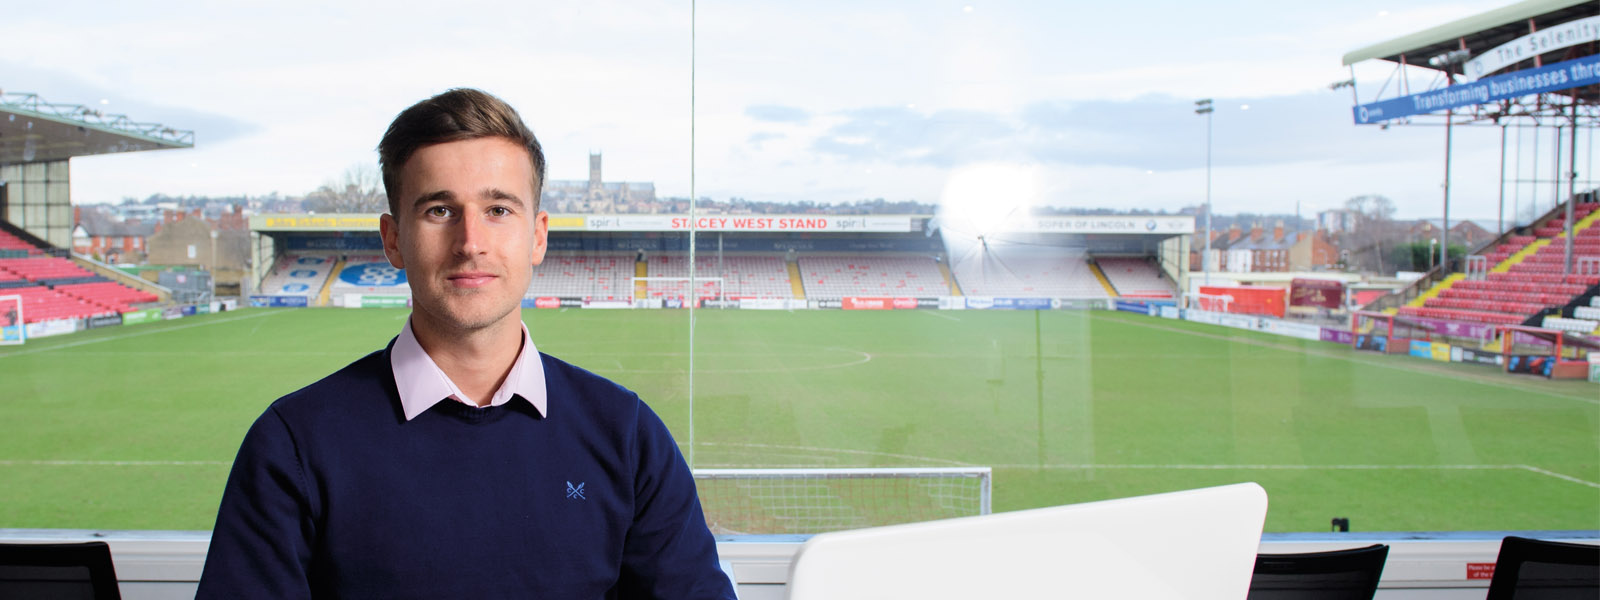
[[1537, 570], [57, 572], [1338, 575]]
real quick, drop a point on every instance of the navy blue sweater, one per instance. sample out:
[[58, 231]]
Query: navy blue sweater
[[335, 494]]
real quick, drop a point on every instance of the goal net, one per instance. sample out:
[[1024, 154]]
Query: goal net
[[773, 501], [11, 327], [678, 288]]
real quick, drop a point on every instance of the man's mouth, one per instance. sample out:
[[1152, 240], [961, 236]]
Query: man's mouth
[[470, 279]]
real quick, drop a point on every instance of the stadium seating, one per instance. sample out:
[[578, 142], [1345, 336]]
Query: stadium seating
[[11, 245], [298, 274], [1518, 286], [40, 303], [44, 269], [109, 293], [1135, 277], [603, 276], [57, 288], [1027, 273], [867, 275], [743, 276]]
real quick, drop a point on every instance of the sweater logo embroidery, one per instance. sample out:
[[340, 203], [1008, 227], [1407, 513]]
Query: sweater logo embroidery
[[575, 493]]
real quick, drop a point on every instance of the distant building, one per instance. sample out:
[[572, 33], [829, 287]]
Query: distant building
[[187, 239], [105, 236], [1464, 233], [1337, 221], [597, 196], [1259, 253], [1314, 252]]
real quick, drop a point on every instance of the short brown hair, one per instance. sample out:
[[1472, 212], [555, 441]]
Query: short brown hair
[[457, 115]]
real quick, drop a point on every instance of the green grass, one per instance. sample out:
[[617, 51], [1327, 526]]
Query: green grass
[[133, 427]]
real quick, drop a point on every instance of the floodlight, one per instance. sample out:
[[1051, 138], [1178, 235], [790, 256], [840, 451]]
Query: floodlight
[[1450, 58]]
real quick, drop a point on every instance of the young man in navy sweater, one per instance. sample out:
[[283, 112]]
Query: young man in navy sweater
[[459, 461]]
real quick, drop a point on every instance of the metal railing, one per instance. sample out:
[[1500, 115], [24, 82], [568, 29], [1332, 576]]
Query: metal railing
[[93, 116]]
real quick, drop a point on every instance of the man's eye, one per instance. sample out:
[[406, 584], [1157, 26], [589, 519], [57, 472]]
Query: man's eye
[[499, 211], [438, 211]]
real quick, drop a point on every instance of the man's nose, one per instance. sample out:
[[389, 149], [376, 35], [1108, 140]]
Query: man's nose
[[472, 235]]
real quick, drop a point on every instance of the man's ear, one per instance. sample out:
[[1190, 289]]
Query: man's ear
[[389, 229], [541, 236]]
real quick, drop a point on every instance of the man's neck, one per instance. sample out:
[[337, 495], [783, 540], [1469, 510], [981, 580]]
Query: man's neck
[[476, 361]]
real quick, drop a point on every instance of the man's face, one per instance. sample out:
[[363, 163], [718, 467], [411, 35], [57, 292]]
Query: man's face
[[466, 232]]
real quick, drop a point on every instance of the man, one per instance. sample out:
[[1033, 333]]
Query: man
[[459, 461]]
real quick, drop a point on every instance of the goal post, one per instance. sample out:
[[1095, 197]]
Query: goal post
[[801, 501], [708, 288], [12, 328]]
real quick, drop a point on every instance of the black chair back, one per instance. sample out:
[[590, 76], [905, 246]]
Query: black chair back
[[1338, 575], [57, 572], [1530, 569]]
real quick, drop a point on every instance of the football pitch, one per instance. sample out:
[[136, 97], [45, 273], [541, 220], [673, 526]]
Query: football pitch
[[135, 427]]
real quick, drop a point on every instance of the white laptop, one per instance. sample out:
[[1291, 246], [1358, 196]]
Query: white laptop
[[1197, 544]]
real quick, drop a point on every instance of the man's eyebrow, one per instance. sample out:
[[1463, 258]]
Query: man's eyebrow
[[432, 196], [499, 194]]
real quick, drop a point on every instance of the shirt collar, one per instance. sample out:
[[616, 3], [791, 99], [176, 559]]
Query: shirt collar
[[423, 384]]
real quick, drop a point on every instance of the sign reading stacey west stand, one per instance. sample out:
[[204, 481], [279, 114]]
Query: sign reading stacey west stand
[[833, 223]]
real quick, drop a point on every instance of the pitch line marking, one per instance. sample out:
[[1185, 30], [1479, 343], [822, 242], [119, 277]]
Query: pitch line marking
[[864, 358], [935, 313], [1381, 364], [1560, 476], [1258, 467], [821, 450], [134, 334]]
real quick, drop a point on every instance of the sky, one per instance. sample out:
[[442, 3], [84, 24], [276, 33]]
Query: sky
[[828, 100]]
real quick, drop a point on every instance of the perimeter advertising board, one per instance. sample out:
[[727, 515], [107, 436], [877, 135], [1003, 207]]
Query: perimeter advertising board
[[141, 316], [1325, 293], [279, 301], [49, 328]]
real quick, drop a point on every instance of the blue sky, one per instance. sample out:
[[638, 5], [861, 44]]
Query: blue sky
[[825, 101]]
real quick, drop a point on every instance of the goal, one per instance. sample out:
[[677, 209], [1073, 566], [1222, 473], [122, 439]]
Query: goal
[[677, 288], [12, 330], [799, 501]]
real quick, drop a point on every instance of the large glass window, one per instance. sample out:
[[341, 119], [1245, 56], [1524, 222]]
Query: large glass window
[[951, 236]]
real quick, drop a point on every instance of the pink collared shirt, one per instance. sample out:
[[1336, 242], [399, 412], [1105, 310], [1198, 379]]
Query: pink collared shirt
[[423, 384]]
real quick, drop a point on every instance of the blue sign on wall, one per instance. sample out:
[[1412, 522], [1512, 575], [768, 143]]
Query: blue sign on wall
[[1563, 75], [278, 301], [369, 241], [376, 274]]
